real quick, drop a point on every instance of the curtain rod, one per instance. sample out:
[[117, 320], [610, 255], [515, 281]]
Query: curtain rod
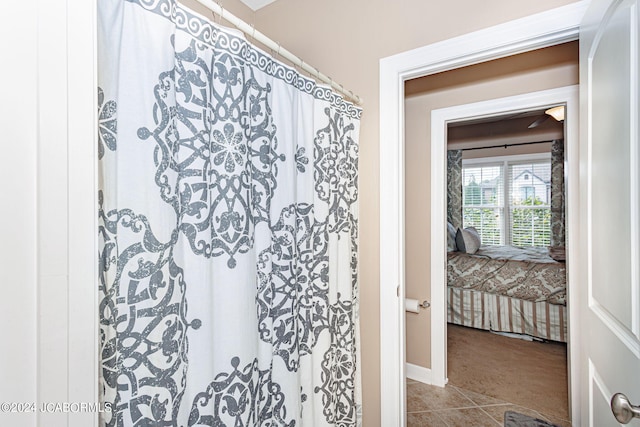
[[504, 145], [263, 39]]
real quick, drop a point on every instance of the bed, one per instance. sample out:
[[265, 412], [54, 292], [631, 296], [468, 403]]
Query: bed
[[508, 289]]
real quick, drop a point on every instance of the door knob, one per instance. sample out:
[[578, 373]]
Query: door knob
[[622, 409]]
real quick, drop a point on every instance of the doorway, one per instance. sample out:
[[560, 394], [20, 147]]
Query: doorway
[[506, 166], [515, 106], [560, 25], [567, 96]]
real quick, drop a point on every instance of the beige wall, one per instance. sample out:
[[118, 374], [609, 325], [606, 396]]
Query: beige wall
[[346, 40], [543, 69]]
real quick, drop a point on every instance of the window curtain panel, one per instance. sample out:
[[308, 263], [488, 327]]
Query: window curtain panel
[[228, 230], [557, 194], [454, 187]]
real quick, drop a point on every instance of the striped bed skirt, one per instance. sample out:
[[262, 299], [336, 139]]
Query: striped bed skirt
[[500, 313]]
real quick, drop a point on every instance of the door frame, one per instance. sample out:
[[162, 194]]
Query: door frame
[[545, 29], [568, 96]]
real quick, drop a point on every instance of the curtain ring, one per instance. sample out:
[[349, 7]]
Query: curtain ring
[[216, 16], [278, 52], [253, 32], [221, 15], [300, 66]]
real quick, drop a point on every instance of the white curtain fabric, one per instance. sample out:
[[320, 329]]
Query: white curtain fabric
[[228, 225]]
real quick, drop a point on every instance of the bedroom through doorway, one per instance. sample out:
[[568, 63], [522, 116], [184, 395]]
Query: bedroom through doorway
[[527, 108], [422, 181], [509, 282], [507, 309]]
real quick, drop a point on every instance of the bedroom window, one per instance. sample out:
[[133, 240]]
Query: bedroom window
[[508, 199], [483, 201]]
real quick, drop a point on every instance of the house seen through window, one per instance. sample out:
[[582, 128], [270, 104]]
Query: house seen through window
[[508, 201]]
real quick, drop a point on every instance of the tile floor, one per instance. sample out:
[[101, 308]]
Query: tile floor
[[430, 406]]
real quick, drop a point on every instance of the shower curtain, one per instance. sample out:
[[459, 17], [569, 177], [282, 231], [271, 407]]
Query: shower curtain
[[228, 229]]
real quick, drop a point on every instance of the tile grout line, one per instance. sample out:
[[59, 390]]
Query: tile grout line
[[434, 413], [443, 420], [461, 407], [464, 395], [439, 413], [542, 416], [502, 402], [489, 415]]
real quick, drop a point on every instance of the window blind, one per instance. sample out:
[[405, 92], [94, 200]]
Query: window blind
[[530, 203], [508, 202], [483, 201]]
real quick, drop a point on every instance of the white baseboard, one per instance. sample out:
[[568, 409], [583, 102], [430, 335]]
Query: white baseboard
[[418, 373]]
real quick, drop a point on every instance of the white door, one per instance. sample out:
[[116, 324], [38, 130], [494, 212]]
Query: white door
[[609, 148]]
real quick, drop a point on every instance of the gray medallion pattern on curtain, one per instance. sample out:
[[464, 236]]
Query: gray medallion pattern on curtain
[[557, 193], [338, 369], [227, 140], [454, 188], [107, 124], [143, 294], [336, 163], [228, 187], [243, 397], [294, 279], [148, 367]]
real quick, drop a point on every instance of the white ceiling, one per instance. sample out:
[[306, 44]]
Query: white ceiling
[[257, 4]]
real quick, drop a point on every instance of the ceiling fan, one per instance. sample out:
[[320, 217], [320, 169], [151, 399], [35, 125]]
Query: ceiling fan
[[555, 112]]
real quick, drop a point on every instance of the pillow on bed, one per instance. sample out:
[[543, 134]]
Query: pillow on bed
[[468, 240], [451, 238]]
